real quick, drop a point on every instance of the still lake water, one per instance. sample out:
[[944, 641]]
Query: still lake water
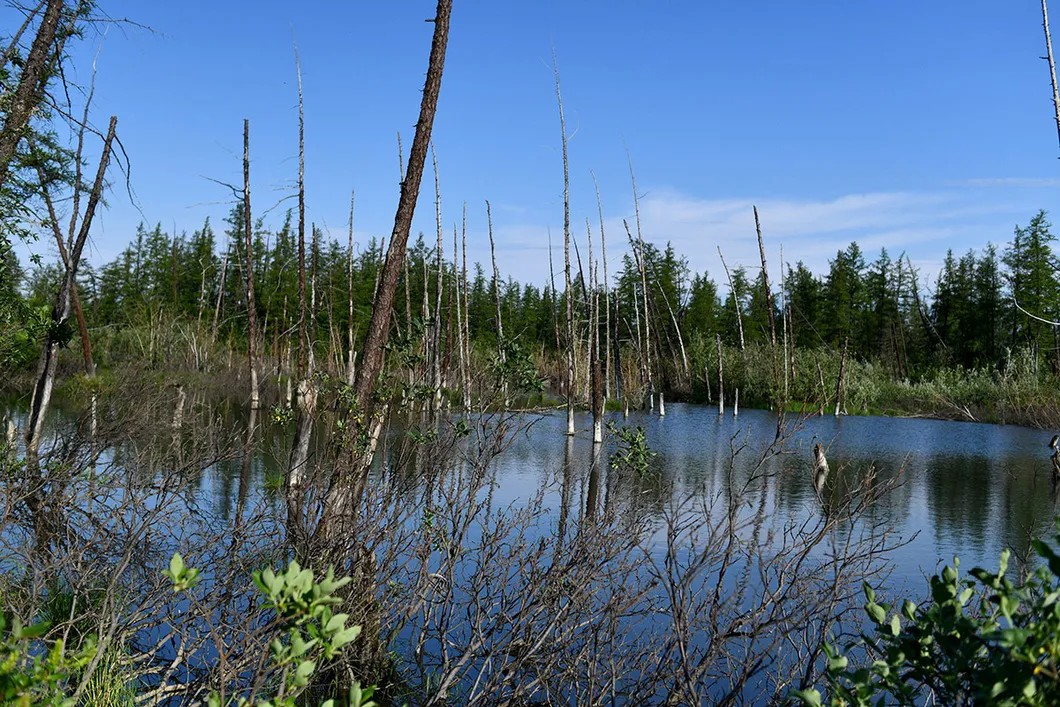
[[966, 489]]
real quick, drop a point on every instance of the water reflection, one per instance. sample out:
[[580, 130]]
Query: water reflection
[[964, 489]]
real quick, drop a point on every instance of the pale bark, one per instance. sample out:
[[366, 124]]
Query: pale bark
[[71, 257], [735, 298], [566, 256], [607, 295], [1052, 65], [721, 379], [436, 331], [839, 379], [643, 285], [252, 333], [497, 300], [351, 357]]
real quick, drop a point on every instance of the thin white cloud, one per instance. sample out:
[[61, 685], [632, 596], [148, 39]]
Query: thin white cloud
[[1018, 182], [921, 224]]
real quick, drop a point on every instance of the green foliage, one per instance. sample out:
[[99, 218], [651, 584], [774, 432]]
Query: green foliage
[[308, 632], [34, 671], [983, 639], [633, 454], [517, 368]]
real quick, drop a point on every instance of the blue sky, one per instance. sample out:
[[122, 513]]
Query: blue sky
[[908, 125]]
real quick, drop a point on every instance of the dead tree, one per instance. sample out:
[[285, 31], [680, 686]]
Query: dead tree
[[501, 344], [465, 325], [607, 293], [566, 255], [1052, 65], [70, 254], [436, 328], [735, 298], [721, 379], [351, 355], [595, 372], [306, 393], [643, 285], [347, 482], [839, 378], [252, 320]]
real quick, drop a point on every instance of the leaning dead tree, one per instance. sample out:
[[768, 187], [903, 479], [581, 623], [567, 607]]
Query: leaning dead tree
[[347, 482], [70, 254], [1052, 65], [735, 298]]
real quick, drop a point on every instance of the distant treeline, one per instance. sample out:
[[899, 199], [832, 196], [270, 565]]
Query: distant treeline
[[980, 308]]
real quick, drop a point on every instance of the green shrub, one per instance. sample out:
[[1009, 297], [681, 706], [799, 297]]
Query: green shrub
[[983, 640]]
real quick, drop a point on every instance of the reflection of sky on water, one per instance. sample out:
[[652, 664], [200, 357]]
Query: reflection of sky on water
[[967, 489]]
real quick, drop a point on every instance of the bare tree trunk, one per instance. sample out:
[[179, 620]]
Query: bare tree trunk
[[71, 257], [735, 298], [643, 285], [824, 388], [595, 371], [566, 256], [1052, 65], [252, 319], [436, 331], [351, 357], [607, 295], [461, 360], [220, 298], [306, 393], [90, 364], [466, 324], [501, 344], [344, 492], [839, 379], [768, 292], [555, 295], [721, 379]]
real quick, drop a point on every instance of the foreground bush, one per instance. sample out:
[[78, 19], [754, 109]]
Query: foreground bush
[[983, 639]]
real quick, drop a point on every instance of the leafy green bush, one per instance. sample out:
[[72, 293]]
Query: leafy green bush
[[983, 640], [633, 452]]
